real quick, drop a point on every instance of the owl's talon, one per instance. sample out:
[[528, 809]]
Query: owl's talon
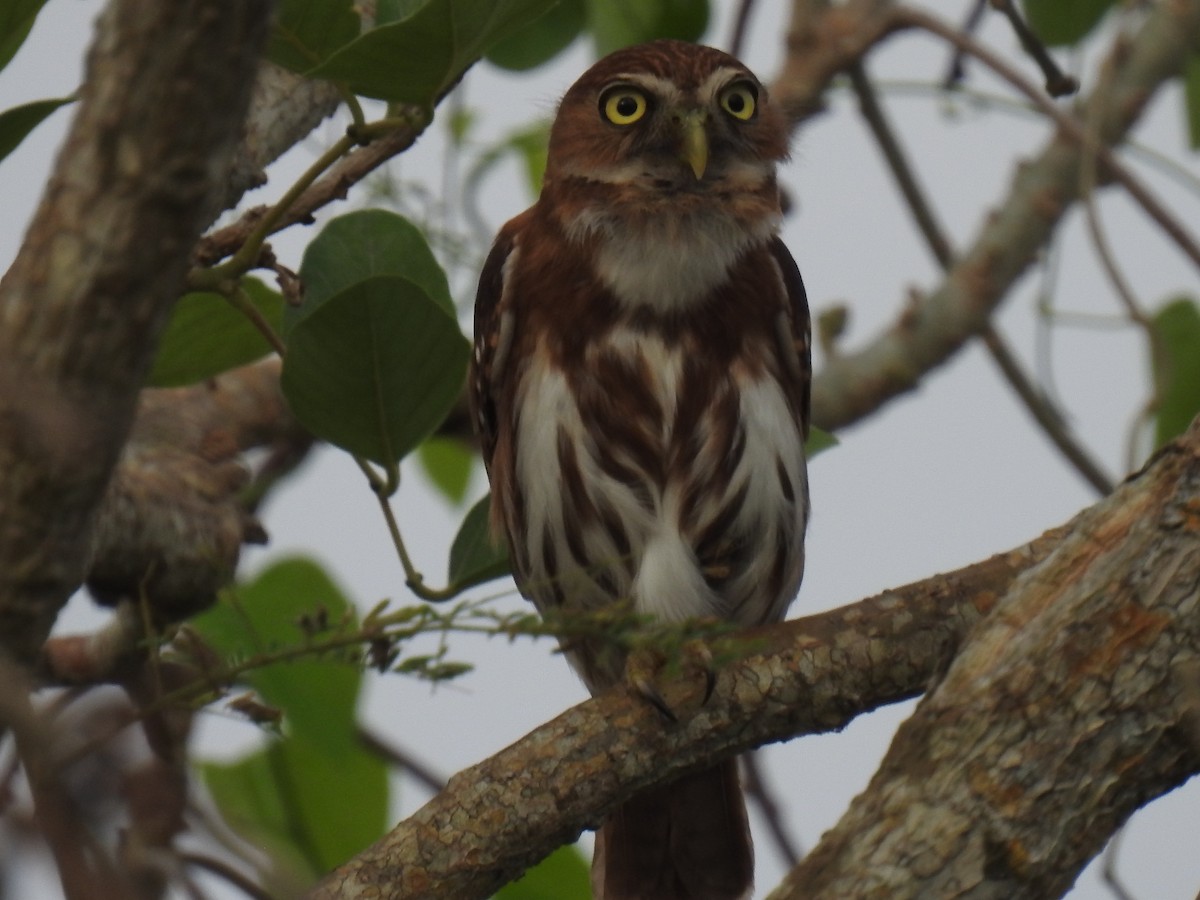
[[641, 667], [648, 692], [710, 684], [698, 658]]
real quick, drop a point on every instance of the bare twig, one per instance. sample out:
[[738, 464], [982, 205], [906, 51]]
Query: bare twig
[[1069, 124], [1109, 870], [853, 384], [740, 23], [957, 68], [225, 871], [1058, 84], [901, 169], [401, 759], [758, 792], [85, 869], [1043, 412], [334, 185], [1106, 254]]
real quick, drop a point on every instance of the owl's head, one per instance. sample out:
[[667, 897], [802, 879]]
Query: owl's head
[[667, 116]]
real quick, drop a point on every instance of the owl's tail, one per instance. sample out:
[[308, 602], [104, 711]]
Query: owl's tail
[[688, 840]]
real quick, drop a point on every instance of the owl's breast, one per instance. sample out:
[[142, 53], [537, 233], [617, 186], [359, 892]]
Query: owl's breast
[[646, 473]]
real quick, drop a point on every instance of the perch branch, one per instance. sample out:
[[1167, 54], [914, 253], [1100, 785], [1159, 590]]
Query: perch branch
[[806, 676], [1089, 621]]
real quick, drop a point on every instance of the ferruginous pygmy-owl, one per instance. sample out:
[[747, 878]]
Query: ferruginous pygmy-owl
[[641, 385]]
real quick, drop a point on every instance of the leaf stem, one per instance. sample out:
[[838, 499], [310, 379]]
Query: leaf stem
[[246, 256], [241, 301]]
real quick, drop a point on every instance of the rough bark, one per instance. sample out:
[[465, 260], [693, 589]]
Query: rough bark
[[142, 171], [1068, 708], [1063, 712], [283, 109]]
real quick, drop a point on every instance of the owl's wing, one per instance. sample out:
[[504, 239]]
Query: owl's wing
[[493, 336], [800, 330]]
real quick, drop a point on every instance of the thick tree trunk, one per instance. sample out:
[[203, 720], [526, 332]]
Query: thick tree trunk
[[143, 169]]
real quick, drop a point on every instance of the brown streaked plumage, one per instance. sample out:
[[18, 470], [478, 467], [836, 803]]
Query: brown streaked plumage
[[641, 387]]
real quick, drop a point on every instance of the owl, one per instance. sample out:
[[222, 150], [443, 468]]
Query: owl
[[640, 383]]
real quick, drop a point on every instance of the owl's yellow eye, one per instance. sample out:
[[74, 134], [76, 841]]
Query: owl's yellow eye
[[623, 105], [740, 100]]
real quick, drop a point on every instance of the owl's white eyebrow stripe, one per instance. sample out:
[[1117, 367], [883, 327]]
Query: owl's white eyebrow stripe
[[665, 89], [719, 79], [659, 87]]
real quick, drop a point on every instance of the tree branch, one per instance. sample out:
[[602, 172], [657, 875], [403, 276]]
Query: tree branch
[[801, 677], [1039, 406], [1064, 712], [852, 385], [283, 109], [140, 174], [1095, 618]]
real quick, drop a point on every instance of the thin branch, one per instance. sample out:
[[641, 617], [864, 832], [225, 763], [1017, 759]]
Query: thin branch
[[957, 68], [901, 169], [1109, 870], [1058, 84], [758, 793], [1043, 412], [1159, 360], [856, 383], [334, 185], [85, 869], [1172, 44], [401, 759], [740, 23], [226, 872]]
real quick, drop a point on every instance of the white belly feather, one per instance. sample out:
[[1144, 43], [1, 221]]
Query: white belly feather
[[662, 574]]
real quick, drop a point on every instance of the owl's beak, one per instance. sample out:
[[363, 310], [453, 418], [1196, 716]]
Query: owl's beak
[[693, 140]]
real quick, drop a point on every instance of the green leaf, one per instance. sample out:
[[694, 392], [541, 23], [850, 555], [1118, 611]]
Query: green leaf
[[1063, 22], [449, 463], [315, 794], [16, 123], [359, 245], [317, 697], [207, 335], [375, 368], [563, 875], [419, 58], [308, 32], [388, 11], [474, 558], [619, 23], [16, 21], [1178, 381], [818, 441], [300, 804], [542, 39], [1191, 98]]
